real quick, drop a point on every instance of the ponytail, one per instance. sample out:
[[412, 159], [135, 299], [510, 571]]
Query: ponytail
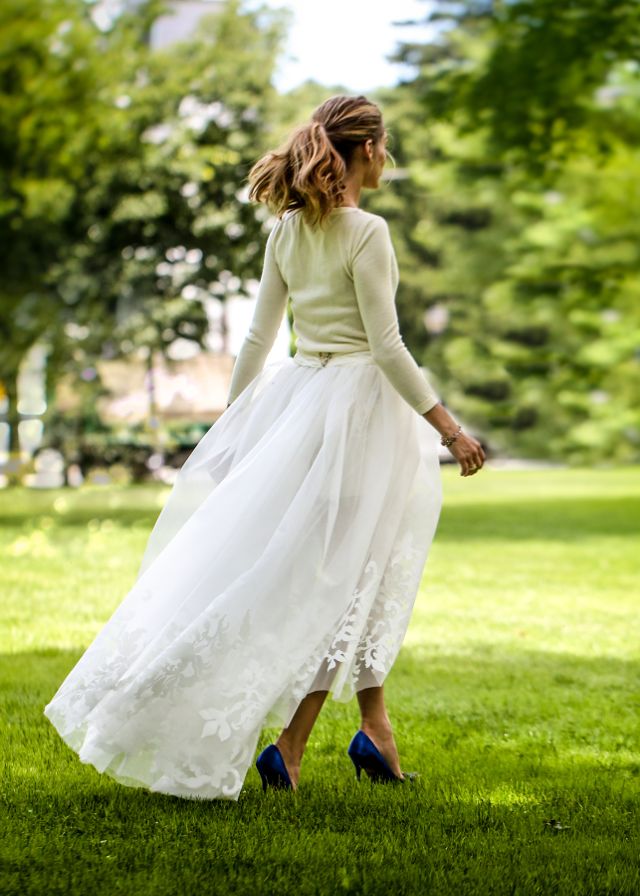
[[308, 171]]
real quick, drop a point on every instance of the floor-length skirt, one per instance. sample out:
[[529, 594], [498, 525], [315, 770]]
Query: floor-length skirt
[[286, 559]]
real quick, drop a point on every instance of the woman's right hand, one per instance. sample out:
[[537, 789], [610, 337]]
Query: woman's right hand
[[469, 454]]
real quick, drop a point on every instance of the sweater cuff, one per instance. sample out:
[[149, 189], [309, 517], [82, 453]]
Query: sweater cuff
[[427, 404]]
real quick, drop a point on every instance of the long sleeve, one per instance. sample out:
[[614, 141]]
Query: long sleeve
[[374, 271], [271, 302]]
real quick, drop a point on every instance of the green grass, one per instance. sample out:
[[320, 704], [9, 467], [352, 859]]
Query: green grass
[[516, 695]]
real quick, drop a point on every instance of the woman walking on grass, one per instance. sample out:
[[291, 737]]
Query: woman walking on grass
[[286, 560]]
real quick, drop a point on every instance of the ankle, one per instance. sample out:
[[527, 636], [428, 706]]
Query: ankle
[[293, 748], [377, 724]]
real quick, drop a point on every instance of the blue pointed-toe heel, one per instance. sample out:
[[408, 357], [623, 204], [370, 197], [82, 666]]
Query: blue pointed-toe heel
[[365, 755], [272, 769]]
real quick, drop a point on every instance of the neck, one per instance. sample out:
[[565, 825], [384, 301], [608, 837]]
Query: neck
[[351, 195]]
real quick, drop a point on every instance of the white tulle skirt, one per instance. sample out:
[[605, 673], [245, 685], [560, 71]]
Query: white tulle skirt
[[286, 559]]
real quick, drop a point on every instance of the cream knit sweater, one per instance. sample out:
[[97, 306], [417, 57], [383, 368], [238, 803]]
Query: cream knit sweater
[[342, 282]]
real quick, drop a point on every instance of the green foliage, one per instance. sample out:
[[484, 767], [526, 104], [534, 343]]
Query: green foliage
[[521, 233], [123, 198], [168, 223], [529, 71], [514, 212]]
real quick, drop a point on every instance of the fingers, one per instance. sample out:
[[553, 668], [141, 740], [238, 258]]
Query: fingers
[[469, 454], [473, 463]]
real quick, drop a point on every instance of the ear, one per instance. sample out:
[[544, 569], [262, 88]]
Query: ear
[[367, 148]]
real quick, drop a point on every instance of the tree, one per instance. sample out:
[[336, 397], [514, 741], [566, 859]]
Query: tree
[[149, 151], [169, 221], [53, 67], [528, 249], [531, 80]]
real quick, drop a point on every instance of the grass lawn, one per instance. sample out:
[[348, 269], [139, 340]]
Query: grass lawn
[[516, 696]]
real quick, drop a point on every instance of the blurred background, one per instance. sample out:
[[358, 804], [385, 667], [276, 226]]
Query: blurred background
[[131, 255]]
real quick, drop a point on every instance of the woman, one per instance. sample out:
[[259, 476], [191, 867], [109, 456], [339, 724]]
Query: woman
[[286, 561]]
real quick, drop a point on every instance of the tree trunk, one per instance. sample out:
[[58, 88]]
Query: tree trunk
[[13, 466]]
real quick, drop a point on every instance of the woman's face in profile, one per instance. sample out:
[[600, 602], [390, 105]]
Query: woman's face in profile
[[375, 168]]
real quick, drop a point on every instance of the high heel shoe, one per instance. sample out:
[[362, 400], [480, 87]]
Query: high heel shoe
[[365, 755], [272, 769]]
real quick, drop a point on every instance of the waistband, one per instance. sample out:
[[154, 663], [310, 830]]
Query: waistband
[[322, 359]]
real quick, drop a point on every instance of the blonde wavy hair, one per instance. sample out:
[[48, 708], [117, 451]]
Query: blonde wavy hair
[[307, 172]]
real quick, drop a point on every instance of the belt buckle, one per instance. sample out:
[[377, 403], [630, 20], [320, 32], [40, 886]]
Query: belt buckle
[[324, 357]]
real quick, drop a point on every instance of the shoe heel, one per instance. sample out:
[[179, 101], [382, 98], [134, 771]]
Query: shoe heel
[[272, 769], [365, 755], [358, 767]]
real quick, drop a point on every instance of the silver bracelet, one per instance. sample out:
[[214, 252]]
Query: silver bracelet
[[449, 440]]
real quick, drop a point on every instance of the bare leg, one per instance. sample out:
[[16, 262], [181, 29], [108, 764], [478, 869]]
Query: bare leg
[[376, 725], [294, 737]]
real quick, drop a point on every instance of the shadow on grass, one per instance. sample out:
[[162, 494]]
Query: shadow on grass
[[562, 519], [79, 516], [134, 504]]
